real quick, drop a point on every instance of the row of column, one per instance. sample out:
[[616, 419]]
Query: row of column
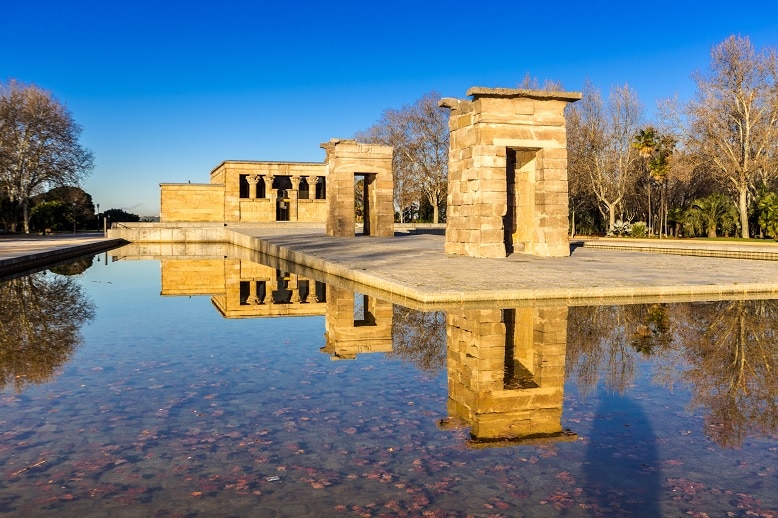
[[270, 193], [291, 285]]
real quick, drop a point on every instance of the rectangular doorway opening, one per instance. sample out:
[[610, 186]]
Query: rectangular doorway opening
[[509, 220], [363, 310], [517, 362], [520, 216], [364, 201]]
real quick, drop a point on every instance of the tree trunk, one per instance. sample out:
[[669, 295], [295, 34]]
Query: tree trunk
[[611, 216], [743, 208], [26, 216], [650, 225], [572, 223]]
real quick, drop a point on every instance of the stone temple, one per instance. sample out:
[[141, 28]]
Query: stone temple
[[507, 184]]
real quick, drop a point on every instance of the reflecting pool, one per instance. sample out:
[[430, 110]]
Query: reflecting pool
[[213, 386]]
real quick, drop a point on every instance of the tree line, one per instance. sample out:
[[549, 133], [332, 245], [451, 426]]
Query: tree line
[[706, 167]]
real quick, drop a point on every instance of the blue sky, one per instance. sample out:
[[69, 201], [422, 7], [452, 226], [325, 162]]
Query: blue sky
[[165, 91]]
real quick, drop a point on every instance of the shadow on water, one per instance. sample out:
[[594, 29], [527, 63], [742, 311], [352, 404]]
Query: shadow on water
[[621, 466]]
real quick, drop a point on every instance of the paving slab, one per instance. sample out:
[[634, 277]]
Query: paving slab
[[414, 267]]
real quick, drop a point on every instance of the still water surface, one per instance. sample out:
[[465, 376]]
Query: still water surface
[[118, 401]]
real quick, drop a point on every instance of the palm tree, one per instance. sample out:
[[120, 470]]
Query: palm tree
[[675, 217], [768, 214], [708, 214], [644, 143], [655, 149]]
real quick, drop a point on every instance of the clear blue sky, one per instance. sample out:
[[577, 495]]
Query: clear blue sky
[[165, 91]]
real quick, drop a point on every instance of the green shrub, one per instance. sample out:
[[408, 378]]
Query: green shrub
[[639, 229]]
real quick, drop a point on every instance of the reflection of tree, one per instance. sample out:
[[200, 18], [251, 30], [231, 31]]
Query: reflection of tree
[[605, 341], [725, 352], [419, 337], [73, 268], [42, 316], [732, 349]]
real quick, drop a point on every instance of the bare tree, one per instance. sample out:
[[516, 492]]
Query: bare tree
[[600, 146], [734, 118], [732, 355], [39, 146], [419, 134], [532, 83]]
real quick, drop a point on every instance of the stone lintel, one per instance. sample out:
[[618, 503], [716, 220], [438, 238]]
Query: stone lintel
[[479, 91], [350, 148]]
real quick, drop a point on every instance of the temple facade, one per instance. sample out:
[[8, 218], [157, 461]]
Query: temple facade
[[250, 192]]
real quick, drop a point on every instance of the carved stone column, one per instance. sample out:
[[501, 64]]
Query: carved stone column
[[253, 180], [293, 192], [312, 181], [268, 186], [252, 299], [293, 285]]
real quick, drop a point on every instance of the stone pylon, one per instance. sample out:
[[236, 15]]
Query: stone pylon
[[347, 159], [507, 186]]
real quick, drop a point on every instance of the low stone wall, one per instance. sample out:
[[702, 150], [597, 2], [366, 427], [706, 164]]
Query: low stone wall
[[193, 232], [188, 232]]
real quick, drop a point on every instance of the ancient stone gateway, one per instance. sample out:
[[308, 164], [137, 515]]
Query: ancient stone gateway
[[507, 186], [345, 160]]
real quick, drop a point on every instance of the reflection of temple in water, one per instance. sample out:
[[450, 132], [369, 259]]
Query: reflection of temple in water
[[506, 367], [506, 372], [244, 289]]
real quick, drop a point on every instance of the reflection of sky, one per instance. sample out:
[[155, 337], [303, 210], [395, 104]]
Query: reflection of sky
[[127, 296]]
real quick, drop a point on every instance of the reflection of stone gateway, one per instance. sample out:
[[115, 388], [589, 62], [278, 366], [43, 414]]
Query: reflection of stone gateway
[[506, 372], [356, 324]]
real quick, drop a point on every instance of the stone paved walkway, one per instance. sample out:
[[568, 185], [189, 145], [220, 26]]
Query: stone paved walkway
[[415, 267]]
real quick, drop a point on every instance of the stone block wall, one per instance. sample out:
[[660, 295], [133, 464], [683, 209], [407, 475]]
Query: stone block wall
[[189, 277], [258, 210], [507, 188], [191, 202], [312, 210]]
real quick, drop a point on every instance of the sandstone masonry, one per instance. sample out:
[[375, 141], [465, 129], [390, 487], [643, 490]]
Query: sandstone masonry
[[507, 187]]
